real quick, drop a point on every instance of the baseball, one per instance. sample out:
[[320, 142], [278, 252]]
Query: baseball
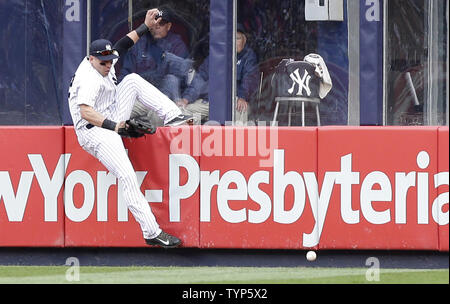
[[311, 256]]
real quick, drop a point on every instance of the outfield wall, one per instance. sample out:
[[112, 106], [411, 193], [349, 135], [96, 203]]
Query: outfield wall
[[233, 187]]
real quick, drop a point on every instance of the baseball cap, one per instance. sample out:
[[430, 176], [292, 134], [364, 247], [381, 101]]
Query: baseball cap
[[102, 49], [240, 28], [166, 14]]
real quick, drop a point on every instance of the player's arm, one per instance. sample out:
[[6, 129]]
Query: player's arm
[[131, 128], [94, 118], [132, 37]]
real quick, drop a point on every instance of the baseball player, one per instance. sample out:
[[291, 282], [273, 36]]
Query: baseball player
[[101, 109]]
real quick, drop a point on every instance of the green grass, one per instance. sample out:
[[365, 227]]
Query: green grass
[[216, 275]]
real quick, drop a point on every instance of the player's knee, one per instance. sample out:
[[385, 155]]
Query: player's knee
[[131, 77]]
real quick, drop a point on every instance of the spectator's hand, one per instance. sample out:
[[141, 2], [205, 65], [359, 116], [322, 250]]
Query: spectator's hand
[[182, 102], [150, 18], [241, 105]]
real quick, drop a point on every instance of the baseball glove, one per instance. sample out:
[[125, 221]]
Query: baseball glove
[[141, 125], [137, 127]]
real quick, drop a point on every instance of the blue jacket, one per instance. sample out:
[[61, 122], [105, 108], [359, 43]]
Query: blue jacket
[[247, 78], [247, 74], [144, 58], [198, 88]]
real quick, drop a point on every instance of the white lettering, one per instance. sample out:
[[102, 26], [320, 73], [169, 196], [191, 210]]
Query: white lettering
[[104, 182], [212, 139], [319, 204], [369, 195], [439, 216], [373, 12], [208, 181], [73, 273], [181, 143], [73, 12], [403, 182], [373, 273], [15, 204], [185, 178], [346, 178], [212, 144], [72, 212], [280, 182], [177, 191], [50, 187], [260, 197], [423, 160], [300, 81], [422, 198], [225, 194]]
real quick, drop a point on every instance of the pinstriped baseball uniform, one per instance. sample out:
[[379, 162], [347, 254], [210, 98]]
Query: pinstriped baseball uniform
[[115, 102]]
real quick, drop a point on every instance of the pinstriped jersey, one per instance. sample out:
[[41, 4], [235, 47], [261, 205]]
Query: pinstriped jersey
[[89, 87]]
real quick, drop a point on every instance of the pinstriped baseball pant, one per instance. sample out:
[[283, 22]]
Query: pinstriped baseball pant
[[108, 148], [135, 88]]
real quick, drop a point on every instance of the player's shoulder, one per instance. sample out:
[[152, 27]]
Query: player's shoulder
[[83, 68], [87, 76], [86, 71]]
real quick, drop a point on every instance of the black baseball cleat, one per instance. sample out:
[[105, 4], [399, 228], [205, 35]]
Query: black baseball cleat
[[164, 240], [181, 119]]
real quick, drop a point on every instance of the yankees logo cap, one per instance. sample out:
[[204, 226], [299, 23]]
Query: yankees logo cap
[[166, 14], [102, 49]]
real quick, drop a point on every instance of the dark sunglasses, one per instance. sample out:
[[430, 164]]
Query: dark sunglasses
[[104, 52], [163, 22], [105, 62]]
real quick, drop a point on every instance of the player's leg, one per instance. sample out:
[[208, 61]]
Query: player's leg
[[107, 147], [109, 150], [133, 87], [139, 110]]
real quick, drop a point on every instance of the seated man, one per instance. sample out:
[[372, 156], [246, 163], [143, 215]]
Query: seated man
[[148, 59], [246, 76], [195, 97]]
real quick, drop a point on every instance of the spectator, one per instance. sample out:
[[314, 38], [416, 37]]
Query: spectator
[[195, 97], [247, 74], [148, 58]]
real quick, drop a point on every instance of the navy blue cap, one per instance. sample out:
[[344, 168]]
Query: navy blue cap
[[166, 14], [240, 28], [103, 50]]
